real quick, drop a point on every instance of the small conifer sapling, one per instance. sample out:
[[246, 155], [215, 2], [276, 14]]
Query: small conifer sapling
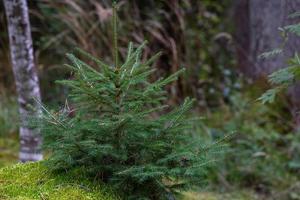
[[113, 135]]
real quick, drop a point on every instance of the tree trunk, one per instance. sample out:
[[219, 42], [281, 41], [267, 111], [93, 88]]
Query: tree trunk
[[257, 32], [257, 23], [26, 78]]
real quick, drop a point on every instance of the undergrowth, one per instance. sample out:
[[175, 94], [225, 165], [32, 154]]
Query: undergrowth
[[263, 152], [8, 130], [8, 115]]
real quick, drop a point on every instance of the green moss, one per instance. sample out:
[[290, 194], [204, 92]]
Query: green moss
[[33, 181]]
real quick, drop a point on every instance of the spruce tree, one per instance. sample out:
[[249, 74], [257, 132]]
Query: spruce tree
[[113, 131]]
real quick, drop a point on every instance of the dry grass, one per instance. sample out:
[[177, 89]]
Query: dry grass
[[87, 24]]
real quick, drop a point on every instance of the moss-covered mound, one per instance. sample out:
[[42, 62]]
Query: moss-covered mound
[[34, 181]]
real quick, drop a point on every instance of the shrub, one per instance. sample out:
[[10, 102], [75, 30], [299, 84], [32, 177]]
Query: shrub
[[114, 133]]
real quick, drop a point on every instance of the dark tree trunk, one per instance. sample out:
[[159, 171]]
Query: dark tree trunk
[[257, 23], [26, 78], [242, 36], [257, 32]]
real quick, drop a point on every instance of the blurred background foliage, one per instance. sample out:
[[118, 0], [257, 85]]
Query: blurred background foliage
[[263, 154], [191, 34]]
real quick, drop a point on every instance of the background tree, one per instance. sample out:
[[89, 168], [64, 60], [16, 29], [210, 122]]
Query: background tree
[[257, 32], [26, 78], [257, 24]]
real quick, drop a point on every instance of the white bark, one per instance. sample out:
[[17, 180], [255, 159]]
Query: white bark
[[26, 78]]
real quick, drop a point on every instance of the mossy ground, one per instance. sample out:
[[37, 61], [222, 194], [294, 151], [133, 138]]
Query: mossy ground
[[33, 181]]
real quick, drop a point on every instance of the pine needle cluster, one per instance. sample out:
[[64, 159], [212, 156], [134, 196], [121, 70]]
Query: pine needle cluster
[[113, 131]]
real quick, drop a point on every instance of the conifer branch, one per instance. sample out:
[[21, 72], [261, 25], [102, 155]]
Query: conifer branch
[[115, 34]]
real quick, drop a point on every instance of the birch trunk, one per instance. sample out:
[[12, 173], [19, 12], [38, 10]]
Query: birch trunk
[[26, 78]]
